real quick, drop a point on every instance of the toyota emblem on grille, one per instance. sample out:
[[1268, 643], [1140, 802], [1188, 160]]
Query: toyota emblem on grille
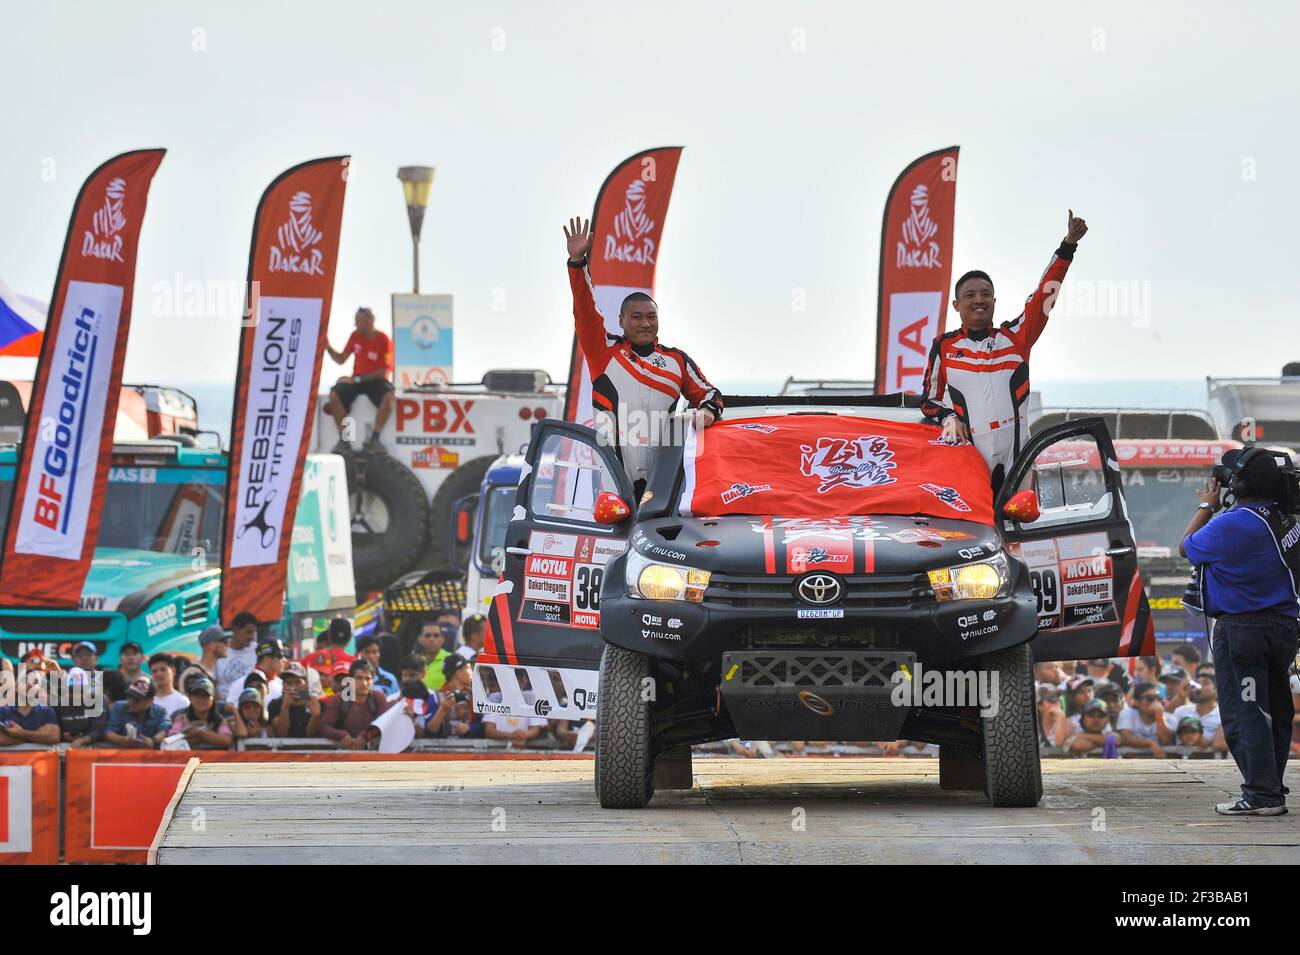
[[819, 589]]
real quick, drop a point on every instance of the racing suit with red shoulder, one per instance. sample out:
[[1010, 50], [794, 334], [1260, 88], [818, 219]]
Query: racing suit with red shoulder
[[634, 388], [983, 376]]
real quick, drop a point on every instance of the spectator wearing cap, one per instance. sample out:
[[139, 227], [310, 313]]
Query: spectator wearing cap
[[1189, 734], [31, 719], [130, 661], [1112, 695], [137, 722], [85, 656], [1176, 685], [453, 713], [1052, 721], [1146, 725], [1203, 703], [1091, 730], [1101, 669], [270, 660], [85, 724], [473, 634], [248, 721], [240, 657], [349, 712], [368, 650], [201, 722], [162, 668], [214, 644], [296, 714], [332, 650], [432, 644]]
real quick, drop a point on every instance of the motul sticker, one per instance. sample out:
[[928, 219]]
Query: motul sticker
[[539, 566]]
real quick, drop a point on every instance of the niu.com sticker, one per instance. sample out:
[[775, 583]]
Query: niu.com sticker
[[76, 908]]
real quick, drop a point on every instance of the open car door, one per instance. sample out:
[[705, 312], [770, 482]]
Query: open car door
[[1080, 552], [572, 517]]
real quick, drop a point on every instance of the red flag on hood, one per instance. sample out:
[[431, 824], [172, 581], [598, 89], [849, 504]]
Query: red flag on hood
[[832, 466]]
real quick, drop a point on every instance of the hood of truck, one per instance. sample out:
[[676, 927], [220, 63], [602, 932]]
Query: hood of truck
[[885, 544], [119, 573]]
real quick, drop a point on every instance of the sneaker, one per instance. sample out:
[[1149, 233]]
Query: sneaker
[[372, 445], [1239, 807], [342, 447]]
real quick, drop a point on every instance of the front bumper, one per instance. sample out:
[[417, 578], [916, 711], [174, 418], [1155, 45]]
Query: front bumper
[[879, 612]]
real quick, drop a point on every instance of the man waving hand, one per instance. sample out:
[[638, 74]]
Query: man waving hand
[[977, 378], [635, 381]]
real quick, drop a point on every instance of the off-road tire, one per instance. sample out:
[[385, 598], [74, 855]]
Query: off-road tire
[[1013, 774], [379, 559], [624, 743]]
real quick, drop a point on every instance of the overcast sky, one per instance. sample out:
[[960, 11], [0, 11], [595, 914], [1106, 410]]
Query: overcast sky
[[1170, 126]]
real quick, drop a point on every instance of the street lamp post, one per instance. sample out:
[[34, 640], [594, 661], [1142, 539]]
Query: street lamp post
[[416, 183]]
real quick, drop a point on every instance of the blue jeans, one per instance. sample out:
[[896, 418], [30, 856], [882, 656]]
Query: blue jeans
[[1251, 654]]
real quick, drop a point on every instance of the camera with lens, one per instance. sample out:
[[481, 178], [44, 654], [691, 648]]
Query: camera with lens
[[1240, 476]]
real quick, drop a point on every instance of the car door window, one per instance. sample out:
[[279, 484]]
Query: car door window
[[1070, 480], [570, 474]]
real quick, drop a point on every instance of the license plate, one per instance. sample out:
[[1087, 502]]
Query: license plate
[[828, 613]]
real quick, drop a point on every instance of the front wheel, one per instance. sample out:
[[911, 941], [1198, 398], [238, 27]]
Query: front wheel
[[1013, 775], [624, 741]]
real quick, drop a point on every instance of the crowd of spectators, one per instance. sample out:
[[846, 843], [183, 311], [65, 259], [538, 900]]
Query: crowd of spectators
[[244, 687]]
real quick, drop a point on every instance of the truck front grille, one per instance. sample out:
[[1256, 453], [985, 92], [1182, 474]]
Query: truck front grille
[[861, 669], [195, 610], [775, 592]]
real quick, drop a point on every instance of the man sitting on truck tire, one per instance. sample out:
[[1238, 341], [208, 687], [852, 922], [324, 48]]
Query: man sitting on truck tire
[[635, 381], [372, 360]]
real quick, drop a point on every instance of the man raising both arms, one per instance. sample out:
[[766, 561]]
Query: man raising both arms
[[977, 378], [635, 381], [372, 359]]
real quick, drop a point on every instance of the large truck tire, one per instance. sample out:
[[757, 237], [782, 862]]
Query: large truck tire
[[465, 480], [1013, 774], [388, 521], [625, 761]]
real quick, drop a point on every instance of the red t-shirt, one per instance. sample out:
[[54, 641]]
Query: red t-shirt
[[369, 354]]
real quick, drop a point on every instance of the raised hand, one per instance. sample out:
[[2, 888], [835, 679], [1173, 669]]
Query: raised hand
[[1075, 228], [578, 236]]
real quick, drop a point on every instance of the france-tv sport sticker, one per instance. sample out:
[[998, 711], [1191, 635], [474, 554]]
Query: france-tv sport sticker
[[67, 432]]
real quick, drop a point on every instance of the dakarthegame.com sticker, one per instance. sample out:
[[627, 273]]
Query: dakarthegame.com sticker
[[279, 382], [66, 452]]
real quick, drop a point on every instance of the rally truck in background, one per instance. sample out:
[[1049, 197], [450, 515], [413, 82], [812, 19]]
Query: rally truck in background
[[155, 576], [1258, 410], [802, 570], [440, 443], [1164, 456]]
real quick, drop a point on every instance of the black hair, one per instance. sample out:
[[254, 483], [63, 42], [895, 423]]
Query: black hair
[[636, 297], [339, 631], [972, 274], [1188, 653], [473, 625], [369, 640], [413, 662], [1142, 688], [166, 658], [359, 665], [243, 619]]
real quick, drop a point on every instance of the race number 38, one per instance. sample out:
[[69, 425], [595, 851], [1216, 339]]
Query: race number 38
[[586, 587]]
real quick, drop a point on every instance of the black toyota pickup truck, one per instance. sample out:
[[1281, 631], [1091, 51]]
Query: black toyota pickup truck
[[809, 568]]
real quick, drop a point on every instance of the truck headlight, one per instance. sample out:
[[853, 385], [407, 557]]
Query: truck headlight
[[654, 581], [981, 580]]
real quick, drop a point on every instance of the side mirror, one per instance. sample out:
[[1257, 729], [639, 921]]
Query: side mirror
[[1022, 507], [610, 508]]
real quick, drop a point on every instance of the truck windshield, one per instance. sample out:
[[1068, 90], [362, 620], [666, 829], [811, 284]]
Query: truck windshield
[[166, 510], [498, 505]]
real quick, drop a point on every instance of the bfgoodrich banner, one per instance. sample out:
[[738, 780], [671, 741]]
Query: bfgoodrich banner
[[63, 467], [291, 283]]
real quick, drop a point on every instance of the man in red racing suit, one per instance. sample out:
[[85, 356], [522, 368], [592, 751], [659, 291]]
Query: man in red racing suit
[[977, 378], [635, 381]]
